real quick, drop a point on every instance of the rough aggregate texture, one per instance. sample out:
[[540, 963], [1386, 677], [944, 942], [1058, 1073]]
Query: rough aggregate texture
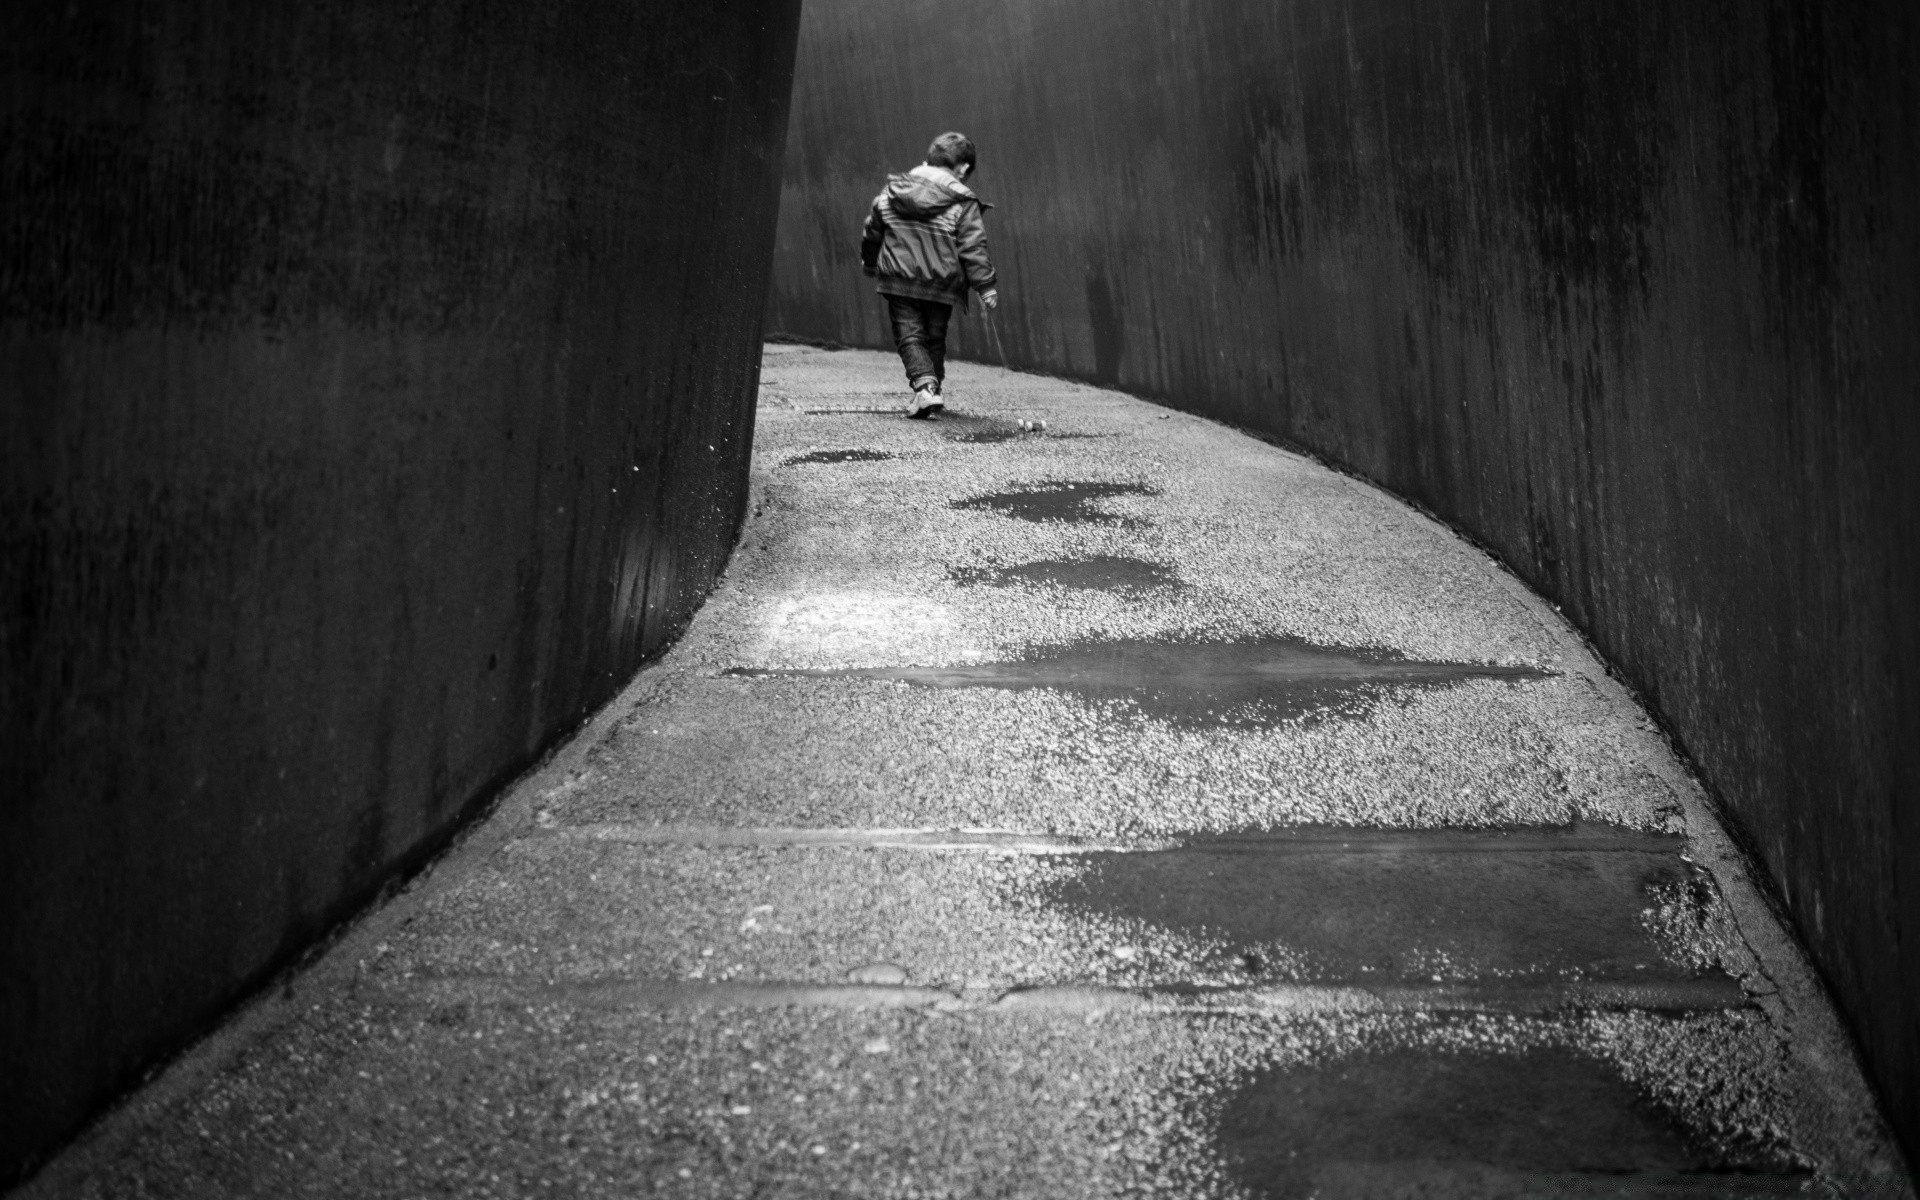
[[372, 1100]]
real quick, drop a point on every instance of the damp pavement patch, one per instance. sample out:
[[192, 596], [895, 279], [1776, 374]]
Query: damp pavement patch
[[1072, 501], [1196, 684], [971, 429], [1547, 1121], [837, 456], [1405, 915]]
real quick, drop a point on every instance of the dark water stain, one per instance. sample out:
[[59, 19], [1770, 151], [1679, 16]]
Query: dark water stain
[[1100, 573], [1444, 1122], [953, 426], [1201, 684], [799, 339], [964, 428], [837, 456], [1062, 500], [961, 427], [972, 428], [1357, 907], [366, 848], [1107, 326]]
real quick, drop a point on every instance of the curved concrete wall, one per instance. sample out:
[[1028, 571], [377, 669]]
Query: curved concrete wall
[[1626, 291], [376, 389]]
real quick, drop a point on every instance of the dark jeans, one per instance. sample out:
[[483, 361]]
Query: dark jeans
[[920, 333]]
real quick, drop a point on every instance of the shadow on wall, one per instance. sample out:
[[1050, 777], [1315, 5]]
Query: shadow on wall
[[1625, 292], [379, 388]]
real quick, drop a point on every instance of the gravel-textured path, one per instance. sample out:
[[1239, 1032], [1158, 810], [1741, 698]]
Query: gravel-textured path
[[1123, 806]]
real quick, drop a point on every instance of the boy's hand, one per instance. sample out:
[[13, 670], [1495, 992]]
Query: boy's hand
[[990, 298]]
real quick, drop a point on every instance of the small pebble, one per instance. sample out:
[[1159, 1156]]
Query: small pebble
[[1125, 953]]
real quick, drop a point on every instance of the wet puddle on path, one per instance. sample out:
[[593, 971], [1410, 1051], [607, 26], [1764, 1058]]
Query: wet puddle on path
[[1253, 684], [968, 428], [1072, 501], [1407, 908], [1440, 1122], [1101, 573], [837, 456], [975, 430], [965, 427]]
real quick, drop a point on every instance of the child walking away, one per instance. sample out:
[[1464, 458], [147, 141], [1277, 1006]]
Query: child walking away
[[925, 241]]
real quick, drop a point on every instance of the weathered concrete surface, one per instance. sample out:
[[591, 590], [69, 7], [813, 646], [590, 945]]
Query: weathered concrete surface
[[375, 392], [833, 935], [1624, 291]]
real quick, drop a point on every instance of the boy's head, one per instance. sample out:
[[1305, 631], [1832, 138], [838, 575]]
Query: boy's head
[[954, 151]]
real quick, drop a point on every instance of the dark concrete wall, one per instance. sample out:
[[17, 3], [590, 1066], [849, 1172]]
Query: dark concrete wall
[[376, 389], [1625, 290]]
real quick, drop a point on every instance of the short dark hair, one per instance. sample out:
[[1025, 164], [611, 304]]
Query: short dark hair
[[950, 150]]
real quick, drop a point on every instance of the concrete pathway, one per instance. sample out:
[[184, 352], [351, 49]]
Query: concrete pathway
[[1122, 807]]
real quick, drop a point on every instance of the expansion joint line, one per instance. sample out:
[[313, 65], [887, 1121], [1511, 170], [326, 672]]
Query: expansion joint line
[[1533, 1000]]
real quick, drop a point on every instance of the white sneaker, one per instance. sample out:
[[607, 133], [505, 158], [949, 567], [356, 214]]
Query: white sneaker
[[925, 403]]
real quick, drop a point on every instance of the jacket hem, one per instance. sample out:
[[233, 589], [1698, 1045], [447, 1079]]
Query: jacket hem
[[915, 290]]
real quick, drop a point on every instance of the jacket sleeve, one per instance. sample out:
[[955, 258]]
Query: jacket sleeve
[[972, 239], [871, 235]]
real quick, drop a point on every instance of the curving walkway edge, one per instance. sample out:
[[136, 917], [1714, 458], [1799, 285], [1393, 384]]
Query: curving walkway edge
[[1065, 797]]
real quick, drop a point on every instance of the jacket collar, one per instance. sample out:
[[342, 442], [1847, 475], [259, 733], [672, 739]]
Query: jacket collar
[[938, 175], [948, 180]]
